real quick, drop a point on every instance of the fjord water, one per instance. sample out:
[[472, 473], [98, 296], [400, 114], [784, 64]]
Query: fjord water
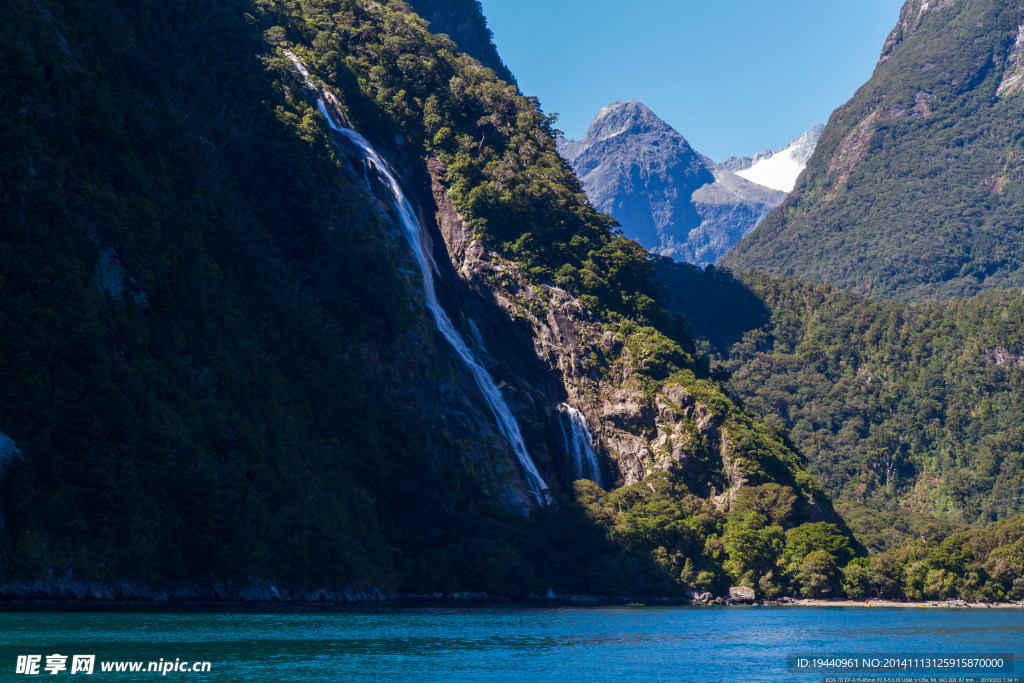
[[601, 643]]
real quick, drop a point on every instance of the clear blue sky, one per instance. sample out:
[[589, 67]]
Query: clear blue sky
[[733, 76]]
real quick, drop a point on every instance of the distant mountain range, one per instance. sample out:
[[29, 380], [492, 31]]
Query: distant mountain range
[[669, 197]]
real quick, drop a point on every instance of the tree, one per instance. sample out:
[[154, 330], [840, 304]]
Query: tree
[[856, 578], [753, 548], [817, 575]]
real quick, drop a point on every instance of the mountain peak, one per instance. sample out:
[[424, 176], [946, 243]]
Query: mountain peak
[[622, 117]]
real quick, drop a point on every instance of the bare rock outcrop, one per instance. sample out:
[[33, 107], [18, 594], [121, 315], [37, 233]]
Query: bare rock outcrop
[[637, 431]]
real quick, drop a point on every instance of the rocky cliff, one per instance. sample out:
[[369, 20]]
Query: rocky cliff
[[640, 427]]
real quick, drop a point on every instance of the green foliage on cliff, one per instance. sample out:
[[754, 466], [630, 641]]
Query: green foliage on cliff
[[503, 169], [893, 403], [914, 191], [463, 21]]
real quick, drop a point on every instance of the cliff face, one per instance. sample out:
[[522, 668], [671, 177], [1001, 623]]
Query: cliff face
[[914, 190], [565, 337], [670, 198], [640, 427]]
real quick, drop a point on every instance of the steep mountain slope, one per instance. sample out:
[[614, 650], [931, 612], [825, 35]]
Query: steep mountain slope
[[196, 394], [915, 189], [244, 349], [665, 195]]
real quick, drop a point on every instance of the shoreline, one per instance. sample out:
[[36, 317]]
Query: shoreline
[[466, 600], [951, 603]]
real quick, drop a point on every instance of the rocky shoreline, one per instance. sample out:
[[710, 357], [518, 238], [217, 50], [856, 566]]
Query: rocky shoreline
[[79, 594], [951, 603]]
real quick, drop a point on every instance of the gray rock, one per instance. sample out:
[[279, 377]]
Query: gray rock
[[741, 594]]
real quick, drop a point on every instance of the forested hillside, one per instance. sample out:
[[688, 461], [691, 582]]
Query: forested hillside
[[191, 385], [918, 403], [907, 414], [915, 189], [463, 21]]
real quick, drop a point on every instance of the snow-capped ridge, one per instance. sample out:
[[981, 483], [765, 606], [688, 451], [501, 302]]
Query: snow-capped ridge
[[780, 169]]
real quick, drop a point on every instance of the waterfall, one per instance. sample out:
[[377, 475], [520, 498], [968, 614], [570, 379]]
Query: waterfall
[[580, 446], [419, 240]]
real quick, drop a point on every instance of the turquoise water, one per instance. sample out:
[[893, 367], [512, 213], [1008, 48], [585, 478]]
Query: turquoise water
[[603, 643]]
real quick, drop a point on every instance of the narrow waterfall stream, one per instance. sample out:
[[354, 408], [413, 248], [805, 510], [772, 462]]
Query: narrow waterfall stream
[[579, 444], [419, 240]]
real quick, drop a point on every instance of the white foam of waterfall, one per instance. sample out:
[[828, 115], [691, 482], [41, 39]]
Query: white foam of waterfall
[[419, 240], [579, 444]]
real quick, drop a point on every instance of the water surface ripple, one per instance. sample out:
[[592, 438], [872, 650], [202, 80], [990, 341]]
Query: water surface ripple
[[604, 643]]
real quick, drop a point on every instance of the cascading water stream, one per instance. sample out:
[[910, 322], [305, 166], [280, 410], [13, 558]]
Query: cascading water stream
[[579, 444], [419, 240]]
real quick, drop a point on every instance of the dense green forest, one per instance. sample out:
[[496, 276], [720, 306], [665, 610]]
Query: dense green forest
[[909, 414], [914, 191], [914, 403], [463, 21], [980, 564], [172, 316]]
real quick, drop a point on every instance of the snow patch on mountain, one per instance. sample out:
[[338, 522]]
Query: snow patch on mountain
[[779, 170]]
